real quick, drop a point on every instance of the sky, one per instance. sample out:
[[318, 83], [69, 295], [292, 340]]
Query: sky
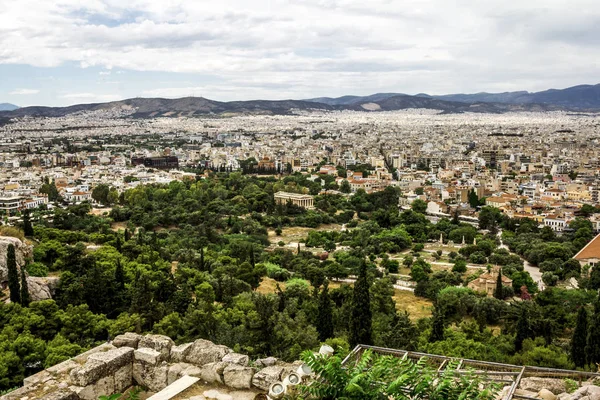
[[62, 52]]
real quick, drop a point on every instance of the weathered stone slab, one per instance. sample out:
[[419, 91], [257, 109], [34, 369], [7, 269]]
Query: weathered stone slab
[[82, 358], [147, 356], [236, 358], [123, 378], [63, 368], [154, 377], [264, 378], [88, 373], [160, 343], [61, 394], [114, 359], [213, 372], [40, 377], [103, 387], [179, 353], [238, 377], [128, 339], [205, 352]]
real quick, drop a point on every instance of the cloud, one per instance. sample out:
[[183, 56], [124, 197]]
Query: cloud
[[276, 49], [75, 98], [23, 92]]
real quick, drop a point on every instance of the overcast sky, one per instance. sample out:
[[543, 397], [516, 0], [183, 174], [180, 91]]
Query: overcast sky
[[59, 52]]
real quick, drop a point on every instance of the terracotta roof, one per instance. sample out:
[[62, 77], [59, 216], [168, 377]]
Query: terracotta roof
[[591, 250]]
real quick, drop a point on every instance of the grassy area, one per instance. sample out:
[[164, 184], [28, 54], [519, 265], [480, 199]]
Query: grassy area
[[417, 307], [297, 233]]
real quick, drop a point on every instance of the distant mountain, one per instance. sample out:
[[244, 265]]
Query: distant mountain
[[7, 107], [584, 97]]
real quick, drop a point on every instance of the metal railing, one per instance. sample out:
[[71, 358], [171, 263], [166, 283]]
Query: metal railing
[[497, 372]]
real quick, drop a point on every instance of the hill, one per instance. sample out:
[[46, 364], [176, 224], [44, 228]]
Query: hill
[[7, 107]]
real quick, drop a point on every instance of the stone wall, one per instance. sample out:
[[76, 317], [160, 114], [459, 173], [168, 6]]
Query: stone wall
[[22, 253], [152, 362]]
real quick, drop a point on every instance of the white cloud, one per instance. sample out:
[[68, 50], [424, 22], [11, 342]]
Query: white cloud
[[75, 98], [283, 48], [23, 92]]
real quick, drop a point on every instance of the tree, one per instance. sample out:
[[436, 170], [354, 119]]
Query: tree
[[27, 227], [499, 291], [361, 322], [460, 266], [345, 186], [473, 198], [592, 348], [579, 338], [100, 193], [419, 206], [25, 300], [437, 324], [489, 217], [324, 323], [524, 329], [13, 275]]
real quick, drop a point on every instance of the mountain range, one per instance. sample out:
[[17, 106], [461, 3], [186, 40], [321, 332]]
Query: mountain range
[[577, 98]]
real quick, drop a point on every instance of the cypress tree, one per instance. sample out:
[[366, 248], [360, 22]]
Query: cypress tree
[[25, 300], [120, 276], [325, 314], [118, 243], [592, 348], [13, 275], [579, 339], [202, 259], [27, 227], [524, 330], [499, 292], [127, 235], [437, 324], [361, 320]]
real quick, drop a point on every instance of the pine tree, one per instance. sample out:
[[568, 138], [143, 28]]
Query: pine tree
[[437, 324], [25, 299], [27, 227], [592, 349], [361, 319], [579, 339], [499, 292], [524, 330], [325, 314], [202, 259], [13, 275]]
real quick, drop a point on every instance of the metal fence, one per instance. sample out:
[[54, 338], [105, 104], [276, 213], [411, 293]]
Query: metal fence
[[507, 374]]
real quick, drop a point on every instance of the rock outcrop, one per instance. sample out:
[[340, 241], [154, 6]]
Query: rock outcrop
[[22, 253]]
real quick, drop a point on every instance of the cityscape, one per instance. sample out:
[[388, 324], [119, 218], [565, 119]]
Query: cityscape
[[299, 200]]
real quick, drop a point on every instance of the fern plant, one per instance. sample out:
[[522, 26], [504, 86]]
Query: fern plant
[[375, 377]]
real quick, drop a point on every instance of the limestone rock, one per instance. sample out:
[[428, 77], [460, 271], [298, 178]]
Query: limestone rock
[[238, 377], [213, 372], [205, 352], [114, 359], [160, 343], [592, 392], [564, 396], [264, 378], [545, 394], [103, 387], [62, 368], [62, 394], [42, 288], [236, 358], [179, 353], [123, 378], [154, 377], [82, 358], [265, 362], [147, 356], [22, 253], [178, 370], [534, 384], [128, 339], [40, 377], [89, 373]]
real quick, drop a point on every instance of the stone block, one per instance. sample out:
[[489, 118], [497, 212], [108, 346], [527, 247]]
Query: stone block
[[147, 356], [128, 339], [153, 377], [123, 378], [264, 378], [63, 368], [160, 343], [103, 387], [82, 358], [238, 377], [175, 372], [236, 358], [179, 353], [266, 362], [114, 359], [213, 372], [40, 377], [205, 352], [90, 372]]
